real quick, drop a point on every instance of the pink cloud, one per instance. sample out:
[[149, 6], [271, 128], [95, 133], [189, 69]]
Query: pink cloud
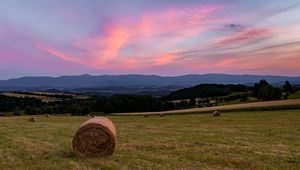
[[59, 54], [277, 59], [120, 63], [244, 36], [149, 43], [153, 32], [177, 19], [175, 25], [164, 59], [115, 38], [226, 62]]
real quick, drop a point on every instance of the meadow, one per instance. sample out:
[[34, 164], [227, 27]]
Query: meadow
[[236, 140]]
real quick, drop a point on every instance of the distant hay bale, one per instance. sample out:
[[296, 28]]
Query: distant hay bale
[[32, 119], [46, 115], [161, 115], [95, 137], [216, 114]]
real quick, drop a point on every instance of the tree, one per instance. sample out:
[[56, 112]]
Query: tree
[[263, 90], [183, 104], [30, 110], [192, 102], [276, 94], [85, 110], [108, 108], [244, 97], [75, 110], [288, 87]]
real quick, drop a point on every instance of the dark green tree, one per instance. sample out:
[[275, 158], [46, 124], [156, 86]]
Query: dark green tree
[[288, 87], [276, 94], [263, 90], [108, 108], [85, 110], [30, 110], [192, 102]]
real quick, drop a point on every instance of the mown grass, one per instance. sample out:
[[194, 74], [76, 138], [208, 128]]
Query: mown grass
[[236, 140]]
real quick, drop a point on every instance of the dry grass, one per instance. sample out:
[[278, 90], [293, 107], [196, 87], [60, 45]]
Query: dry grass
[[238, 140], [292, 102], [43, 96]]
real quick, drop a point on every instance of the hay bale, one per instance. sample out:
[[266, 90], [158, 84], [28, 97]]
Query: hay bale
[[216, 114], [161, 115], [95, 137], [32, 119], [46, 115]]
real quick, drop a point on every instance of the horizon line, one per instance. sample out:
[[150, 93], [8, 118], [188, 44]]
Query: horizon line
[[85, 74]]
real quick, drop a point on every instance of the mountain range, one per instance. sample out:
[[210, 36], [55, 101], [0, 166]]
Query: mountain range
[[135, 82]]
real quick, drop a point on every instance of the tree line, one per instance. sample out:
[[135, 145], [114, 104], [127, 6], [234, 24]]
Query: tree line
[[200, 96], [205, 91]]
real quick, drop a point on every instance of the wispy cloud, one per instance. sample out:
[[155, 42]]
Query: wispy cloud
[[161, 28], [244, 36]]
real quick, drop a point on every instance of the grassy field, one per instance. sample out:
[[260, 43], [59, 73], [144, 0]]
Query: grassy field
[[237, 140], [254, 106]]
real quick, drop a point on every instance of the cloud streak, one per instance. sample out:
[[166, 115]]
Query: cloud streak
[[244, 36]]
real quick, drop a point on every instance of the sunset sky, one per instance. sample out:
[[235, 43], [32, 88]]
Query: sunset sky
[[162, 37]]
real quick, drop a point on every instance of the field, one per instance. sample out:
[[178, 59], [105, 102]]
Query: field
[[237, 140], [43, 96], [265, 105]]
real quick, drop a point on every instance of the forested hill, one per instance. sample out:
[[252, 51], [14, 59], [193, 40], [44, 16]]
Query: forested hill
[[135, 81], [205, 90]]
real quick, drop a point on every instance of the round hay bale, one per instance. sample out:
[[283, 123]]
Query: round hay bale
[[32, 119], [95, 137], [216, 114]]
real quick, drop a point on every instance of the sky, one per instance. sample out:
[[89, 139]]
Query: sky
[[161, 37]]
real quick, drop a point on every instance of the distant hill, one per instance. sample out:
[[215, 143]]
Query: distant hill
[[89, 83]]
